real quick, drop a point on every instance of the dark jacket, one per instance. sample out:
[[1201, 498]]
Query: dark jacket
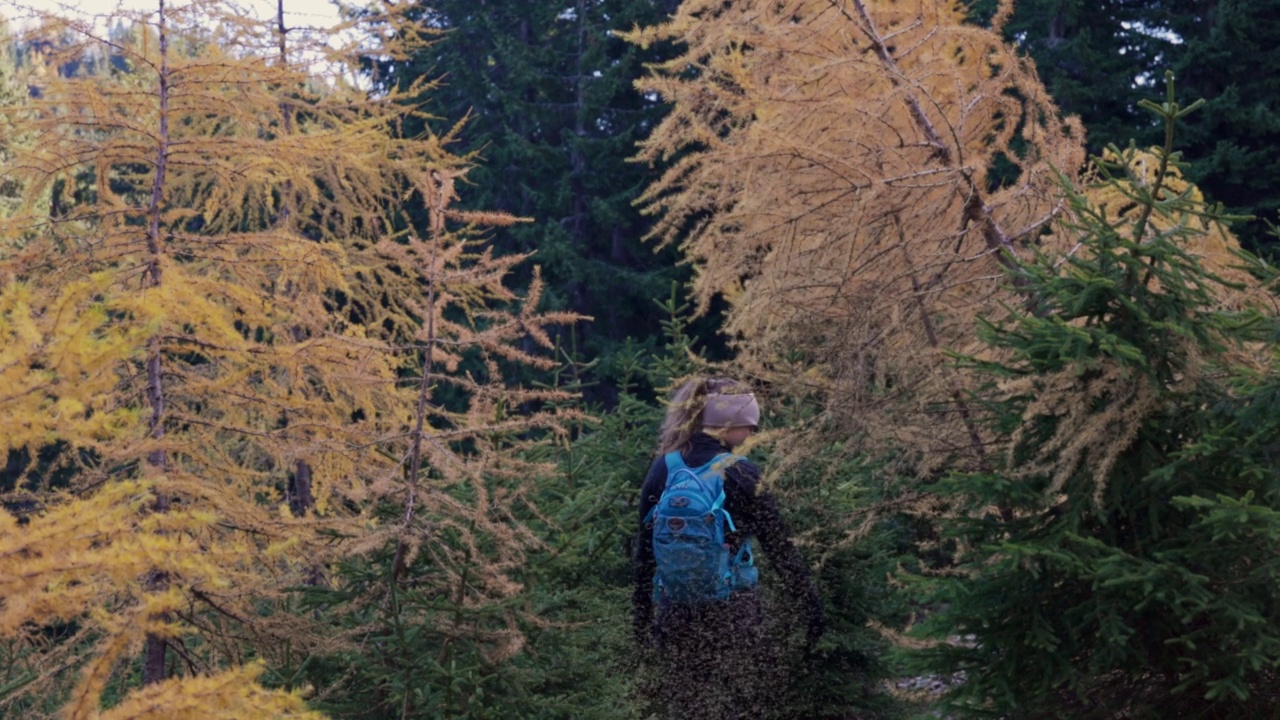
[[754, 512]]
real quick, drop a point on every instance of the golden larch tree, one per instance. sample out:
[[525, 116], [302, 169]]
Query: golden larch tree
[[217, 252], [854, 176]]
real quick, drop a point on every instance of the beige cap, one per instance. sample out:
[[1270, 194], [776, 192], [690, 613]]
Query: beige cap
[[731, 411]]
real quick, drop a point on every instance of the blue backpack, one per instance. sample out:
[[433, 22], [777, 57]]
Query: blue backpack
[[689, 524]]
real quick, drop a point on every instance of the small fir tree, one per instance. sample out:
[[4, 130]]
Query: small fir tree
[[572, 608], [1120, 559]]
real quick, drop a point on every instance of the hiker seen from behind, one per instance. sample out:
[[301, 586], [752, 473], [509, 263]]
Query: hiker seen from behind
[[703, 515]]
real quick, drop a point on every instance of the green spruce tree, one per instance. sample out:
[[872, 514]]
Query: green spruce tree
[[1094, 54], [1090, 54], [1228, 55], [544, 90], [1119, 560]]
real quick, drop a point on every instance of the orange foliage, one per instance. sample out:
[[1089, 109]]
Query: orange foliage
[[213, 281], [834, 176]]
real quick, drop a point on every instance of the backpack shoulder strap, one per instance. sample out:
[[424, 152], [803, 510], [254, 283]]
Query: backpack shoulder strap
[[674, 462], [703, 474], [717, 464]]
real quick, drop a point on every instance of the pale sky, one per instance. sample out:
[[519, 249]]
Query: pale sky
[[304, 15], [297, 12]]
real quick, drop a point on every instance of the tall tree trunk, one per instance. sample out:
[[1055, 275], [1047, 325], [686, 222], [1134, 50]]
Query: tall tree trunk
[[153, 669], [577, 156], [298, 490], [301, 498]]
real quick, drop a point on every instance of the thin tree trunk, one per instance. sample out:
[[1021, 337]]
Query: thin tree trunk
[[301, 498], [436, 220], [931, 334], [286, 110], [153, 669], [957, 394], [299, 491], [975, 210], [578, 159]]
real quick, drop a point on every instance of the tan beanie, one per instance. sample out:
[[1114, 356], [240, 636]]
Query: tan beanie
[[726, 411]]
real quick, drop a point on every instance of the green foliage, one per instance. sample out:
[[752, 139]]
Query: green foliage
[[1093, 54], [576, 657], [1088, 53], [1229, 57], [1119, 559], [544, 92], [421, 654], [840, 515]]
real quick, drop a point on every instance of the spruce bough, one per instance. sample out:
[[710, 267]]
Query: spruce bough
[[1120, 558]]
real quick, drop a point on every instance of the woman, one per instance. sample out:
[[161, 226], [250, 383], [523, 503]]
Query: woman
[[715, 657]]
